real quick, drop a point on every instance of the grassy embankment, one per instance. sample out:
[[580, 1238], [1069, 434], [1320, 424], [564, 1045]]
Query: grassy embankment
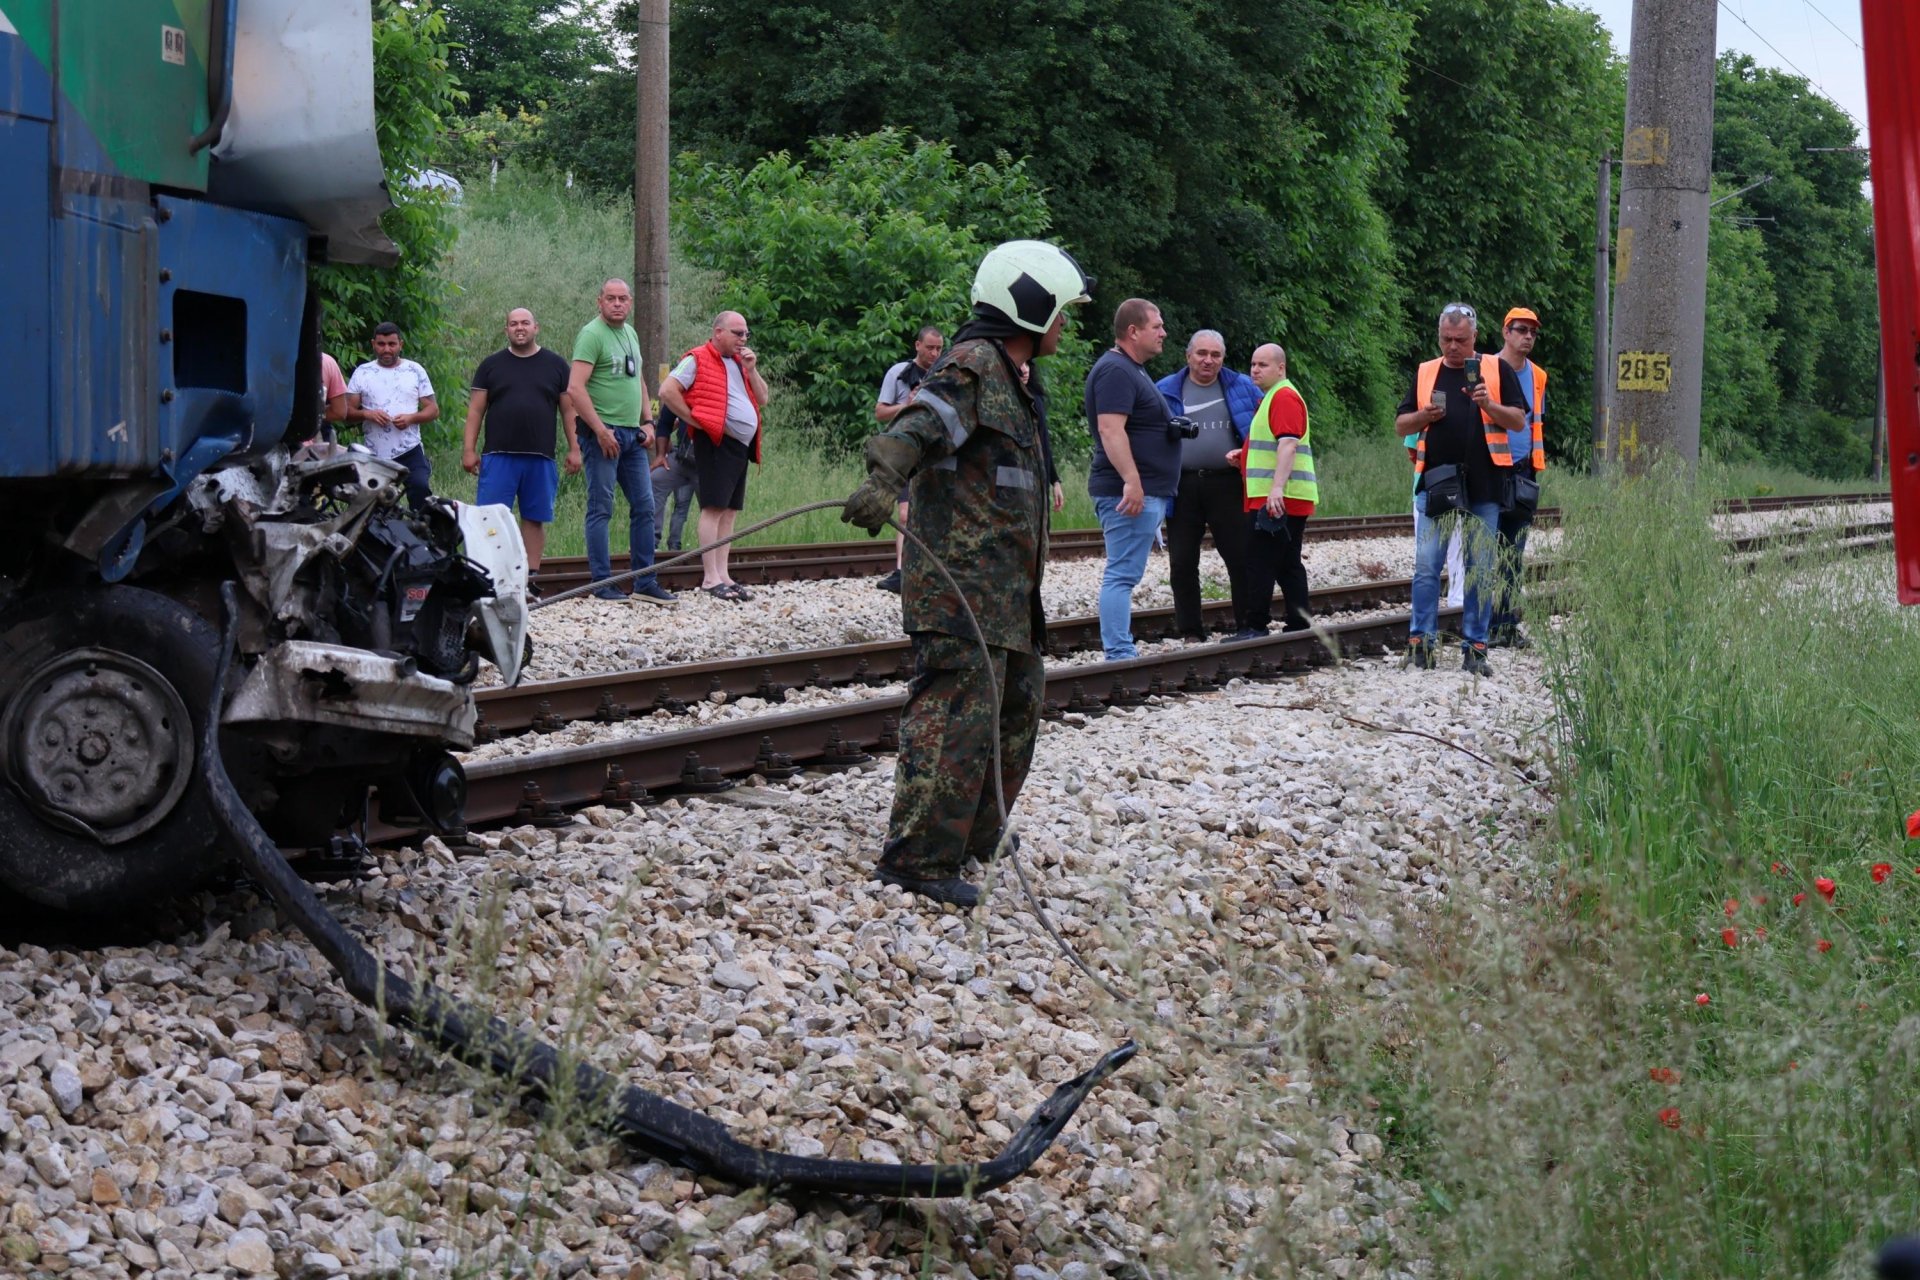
[[535, 244], [1690, 1047]]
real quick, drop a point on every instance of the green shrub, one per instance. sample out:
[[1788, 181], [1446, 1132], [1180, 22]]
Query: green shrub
[[837, 261]]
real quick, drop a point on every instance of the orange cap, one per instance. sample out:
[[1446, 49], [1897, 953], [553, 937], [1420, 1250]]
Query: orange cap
[[1520, 313]]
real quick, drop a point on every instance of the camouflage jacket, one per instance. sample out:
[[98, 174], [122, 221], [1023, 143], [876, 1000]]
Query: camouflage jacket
[[980, 500]]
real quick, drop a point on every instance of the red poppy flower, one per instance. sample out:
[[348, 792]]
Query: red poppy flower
[[1670, 1117], [1759, 899], [1663, 1075], [1913, 825], [1703, 999], [1730, 936], [1777, 869], [1732, 905], [1881, 870], [1799, 898], [1759, 935], [1826, 887], [1823, 946]]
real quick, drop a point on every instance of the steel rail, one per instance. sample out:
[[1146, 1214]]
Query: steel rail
[[758, 565], [614, 696]]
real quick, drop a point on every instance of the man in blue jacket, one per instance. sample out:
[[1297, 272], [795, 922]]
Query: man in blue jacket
[[1221, 403]]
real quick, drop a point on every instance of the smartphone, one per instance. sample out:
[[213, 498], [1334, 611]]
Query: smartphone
[[1440, 401]]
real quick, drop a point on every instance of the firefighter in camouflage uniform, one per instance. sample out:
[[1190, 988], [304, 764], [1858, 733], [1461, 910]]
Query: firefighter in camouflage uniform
[[969, 447]]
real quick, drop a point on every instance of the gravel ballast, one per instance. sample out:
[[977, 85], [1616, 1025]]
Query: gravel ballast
[[202, 1106]]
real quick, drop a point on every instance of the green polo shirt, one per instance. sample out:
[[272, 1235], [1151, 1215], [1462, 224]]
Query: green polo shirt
[[615, 393]]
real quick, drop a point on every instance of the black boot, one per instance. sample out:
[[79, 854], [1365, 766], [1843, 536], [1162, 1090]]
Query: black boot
[[1473, 660], [1419, 653], [951, 890]]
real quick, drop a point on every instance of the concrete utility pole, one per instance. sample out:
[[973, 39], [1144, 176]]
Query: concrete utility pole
[[1602, 247], [1660, 274], [650, 189]]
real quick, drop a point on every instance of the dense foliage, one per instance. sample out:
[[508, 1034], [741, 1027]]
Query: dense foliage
[[836, 262], [413, 93], [1510, 104], [1324, 173], [1816, 234]]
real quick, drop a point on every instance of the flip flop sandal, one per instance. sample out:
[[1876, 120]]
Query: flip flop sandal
[[739, 592]]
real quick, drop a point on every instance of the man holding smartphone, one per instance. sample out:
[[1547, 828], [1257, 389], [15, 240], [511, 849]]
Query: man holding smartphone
[[611, 398], [1459, 411]]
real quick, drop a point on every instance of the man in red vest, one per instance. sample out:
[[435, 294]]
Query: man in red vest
[[718, 388]]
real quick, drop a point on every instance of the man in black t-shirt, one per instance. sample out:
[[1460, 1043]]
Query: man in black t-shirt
[[1136, 463], [1458, 412], [518, 392]]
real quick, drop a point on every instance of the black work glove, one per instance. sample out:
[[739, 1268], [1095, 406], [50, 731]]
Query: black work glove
[[890, 460]]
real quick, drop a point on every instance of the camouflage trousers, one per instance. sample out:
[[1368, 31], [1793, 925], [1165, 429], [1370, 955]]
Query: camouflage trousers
[[943, 803]]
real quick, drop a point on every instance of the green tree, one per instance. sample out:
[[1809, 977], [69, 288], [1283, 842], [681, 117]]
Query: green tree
[[414, 91], [513, 55], [837, 261], [1509, 106], [1739, 388], [1819, 240], [1208, 155]]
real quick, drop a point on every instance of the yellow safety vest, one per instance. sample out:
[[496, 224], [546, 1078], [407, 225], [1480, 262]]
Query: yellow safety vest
[[1263, 446]]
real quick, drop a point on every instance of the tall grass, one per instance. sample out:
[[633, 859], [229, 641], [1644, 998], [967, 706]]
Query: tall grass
[[1726, 741]]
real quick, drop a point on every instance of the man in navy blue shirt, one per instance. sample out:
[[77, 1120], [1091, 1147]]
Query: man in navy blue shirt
[[1136, 463]]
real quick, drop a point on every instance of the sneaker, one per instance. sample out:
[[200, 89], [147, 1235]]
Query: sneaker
[[609, 593], [1193, 637], [1518, 639], [1473, 660], [534, 590], [890, 583], [652, 591], [1419, 653], [951, 890], [1250, 633]]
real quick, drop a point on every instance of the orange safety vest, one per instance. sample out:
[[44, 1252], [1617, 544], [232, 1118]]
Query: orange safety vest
[[707, 397], [1496, 436], [1536, 417]]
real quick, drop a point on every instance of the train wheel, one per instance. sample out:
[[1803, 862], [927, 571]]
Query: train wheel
[[103, 694]]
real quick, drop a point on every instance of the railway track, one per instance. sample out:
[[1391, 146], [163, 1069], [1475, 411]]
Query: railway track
[[611, 697], [807, 561], [542, 787]]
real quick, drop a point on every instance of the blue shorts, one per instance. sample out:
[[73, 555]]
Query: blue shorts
[[524, 478]]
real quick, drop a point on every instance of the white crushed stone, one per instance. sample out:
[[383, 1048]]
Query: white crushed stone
[[733, 955]]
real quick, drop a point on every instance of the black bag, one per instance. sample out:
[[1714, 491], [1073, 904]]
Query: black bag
[[681, 433], [1523, 494], [1444, 489]]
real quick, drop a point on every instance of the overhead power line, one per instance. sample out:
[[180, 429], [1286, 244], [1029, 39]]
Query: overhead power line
[[1796, 70]]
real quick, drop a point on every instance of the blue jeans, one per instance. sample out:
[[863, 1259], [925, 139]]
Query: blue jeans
[[673, 489], [630, 469], [1477, 538], [1129, 539]]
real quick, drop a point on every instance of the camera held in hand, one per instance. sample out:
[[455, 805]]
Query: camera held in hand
[[1182, 428]]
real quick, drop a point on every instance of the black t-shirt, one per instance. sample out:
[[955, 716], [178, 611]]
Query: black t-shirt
[[1460, 438], [523, 400], [1117, 385]]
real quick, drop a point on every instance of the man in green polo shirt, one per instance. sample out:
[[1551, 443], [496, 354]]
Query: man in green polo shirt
[[611, 393]]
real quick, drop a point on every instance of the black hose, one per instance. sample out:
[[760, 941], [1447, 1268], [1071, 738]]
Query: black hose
[[646, 1120], [219, 75]]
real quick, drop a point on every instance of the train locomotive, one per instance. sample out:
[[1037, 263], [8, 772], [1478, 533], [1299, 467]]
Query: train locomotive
[[171, 174]]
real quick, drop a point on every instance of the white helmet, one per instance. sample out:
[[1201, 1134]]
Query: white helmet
[[1031, 282]]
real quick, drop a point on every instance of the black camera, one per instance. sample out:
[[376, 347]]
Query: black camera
[[1182, 428]]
